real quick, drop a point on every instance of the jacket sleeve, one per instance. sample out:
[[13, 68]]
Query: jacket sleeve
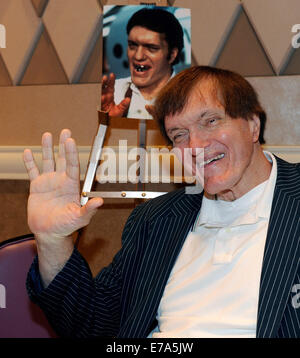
[[75, 303]]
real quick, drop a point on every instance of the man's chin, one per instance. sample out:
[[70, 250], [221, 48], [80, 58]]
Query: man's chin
[[212, 189], [140, 82], [221, 192]]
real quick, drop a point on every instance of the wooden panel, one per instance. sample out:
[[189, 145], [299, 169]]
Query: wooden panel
[[23, 29], [13, 215], [293, 64], [72, 26], [93, 69], [5, 79], [28, 111], [44, 66], [211, 24], [39, 6]]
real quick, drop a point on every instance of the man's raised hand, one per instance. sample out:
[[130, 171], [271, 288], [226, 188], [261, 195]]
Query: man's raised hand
[[107, 98], [54, 209]]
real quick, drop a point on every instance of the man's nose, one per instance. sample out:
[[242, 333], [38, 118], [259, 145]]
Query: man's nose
[[198, 141], [139, 53]]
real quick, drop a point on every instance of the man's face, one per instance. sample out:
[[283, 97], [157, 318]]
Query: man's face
[[229, 143], [148, 58]]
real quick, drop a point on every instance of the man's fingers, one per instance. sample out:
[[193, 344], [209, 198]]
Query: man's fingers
[[107, 93], [47, 153], [30, 165], [108, 84], [111, 81], [107, 101], [67, 156], [117, 110], [72, 159], [104, 84], [61, 159]]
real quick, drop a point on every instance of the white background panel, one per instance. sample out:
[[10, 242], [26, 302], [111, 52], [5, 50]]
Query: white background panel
[[279, 95]]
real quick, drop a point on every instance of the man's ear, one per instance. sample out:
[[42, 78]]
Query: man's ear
[[173, 54], [255, 125]]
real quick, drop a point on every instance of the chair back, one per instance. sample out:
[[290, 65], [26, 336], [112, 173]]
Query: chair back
[[19, 317]]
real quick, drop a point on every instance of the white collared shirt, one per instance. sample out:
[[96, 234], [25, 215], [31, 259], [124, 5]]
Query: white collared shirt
[[213, 288], [138, 102]]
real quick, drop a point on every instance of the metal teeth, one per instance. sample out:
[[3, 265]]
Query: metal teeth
[[215, 158], [140, 68]]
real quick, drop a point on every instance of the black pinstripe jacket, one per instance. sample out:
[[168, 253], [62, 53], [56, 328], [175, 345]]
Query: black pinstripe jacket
[[123, 299]]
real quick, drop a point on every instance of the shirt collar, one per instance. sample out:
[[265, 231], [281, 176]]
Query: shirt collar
[[265, 203]]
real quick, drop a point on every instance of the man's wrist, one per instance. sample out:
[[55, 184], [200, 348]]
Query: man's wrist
[[53, 238], [53, 253]]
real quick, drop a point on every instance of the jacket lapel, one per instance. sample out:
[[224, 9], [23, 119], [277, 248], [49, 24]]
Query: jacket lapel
[[281, 256]]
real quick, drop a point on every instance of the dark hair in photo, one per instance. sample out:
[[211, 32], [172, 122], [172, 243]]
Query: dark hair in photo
[[160, 21], [236, 94]]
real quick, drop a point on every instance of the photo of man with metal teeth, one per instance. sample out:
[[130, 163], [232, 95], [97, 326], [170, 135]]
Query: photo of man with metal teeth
[[155, 44]]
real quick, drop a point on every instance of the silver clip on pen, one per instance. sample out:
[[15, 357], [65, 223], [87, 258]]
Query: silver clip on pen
[[94, 155]]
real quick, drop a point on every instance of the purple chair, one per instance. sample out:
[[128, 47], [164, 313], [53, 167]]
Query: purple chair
[[19, 317]]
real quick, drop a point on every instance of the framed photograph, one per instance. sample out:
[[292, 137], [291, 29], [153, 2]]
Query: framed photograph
[[143, 48]]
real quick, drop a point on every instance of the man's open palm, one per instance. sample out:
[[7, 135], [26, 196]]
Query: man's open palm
[[54, 201], [107, 98]]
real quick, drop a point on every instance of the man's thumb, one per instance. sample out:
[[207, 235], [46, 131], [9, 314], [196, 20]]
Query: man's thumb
[[90, 208]]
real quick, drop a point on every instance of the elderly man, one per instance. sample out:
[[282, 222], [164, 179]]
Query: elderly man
[[222, 263], [155, 41]]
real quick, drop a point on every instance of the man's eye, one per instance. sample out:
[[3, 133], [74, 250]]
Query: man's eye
[[212, 121], [132, 46], [153, 49], [178, 137]]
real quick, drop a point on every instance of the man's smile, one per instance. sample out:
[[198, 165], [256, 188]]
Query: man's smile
[[141, 68], [214, 159]]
